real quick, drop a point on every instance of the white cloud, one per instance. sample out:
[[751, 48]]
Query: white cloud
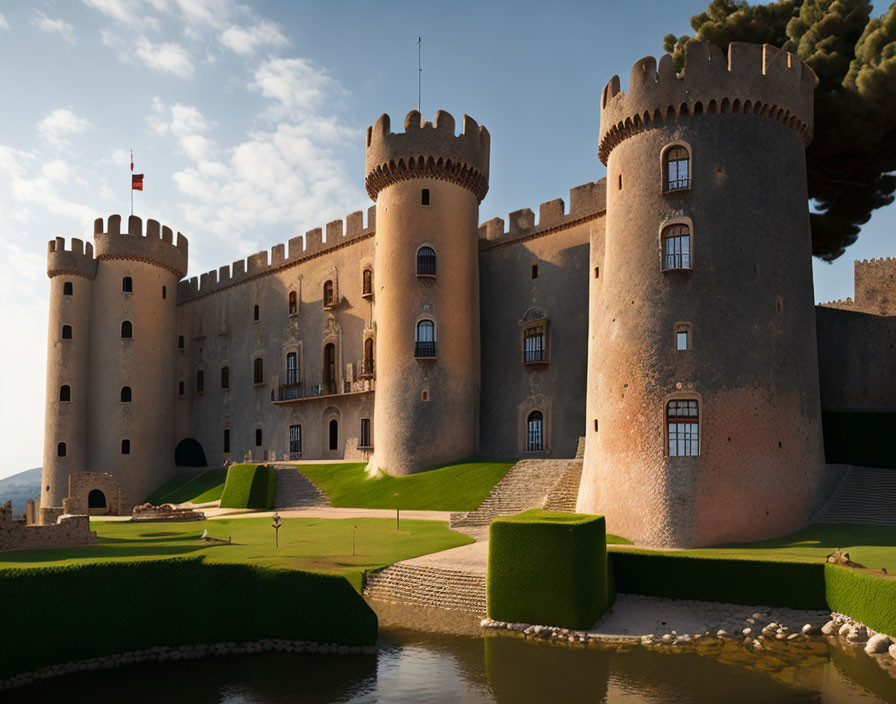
[[167, 57], [56, 170], [296, 85], [60, 124], [246, 40], [127, 11], [3, 23], [178, 119], [55, 26]]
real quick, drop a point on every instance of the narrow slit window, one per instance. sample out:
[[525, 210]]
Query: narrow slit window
[[226, 440], [535, 271], [424, 196], [367, 282], [258, 437], [683, 425], [200, 381], [682, 341], [295, 440], [127, 285], [164, 292], [225, 377], [258, 370], [180, 342], [256, 312], [293, 303]]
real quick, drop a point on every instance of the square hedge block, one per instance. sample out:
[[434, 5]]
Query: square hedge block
[[549, 568]]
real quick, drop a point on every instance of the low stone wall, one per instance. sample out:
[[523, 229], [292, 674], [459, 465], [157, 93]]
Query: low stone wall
[[69, 531]]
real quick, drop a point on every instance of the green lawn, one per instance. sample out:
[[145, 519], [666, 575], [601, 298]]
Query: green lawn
[[199, 487], [871, 546], [457, 487], [313, 544]]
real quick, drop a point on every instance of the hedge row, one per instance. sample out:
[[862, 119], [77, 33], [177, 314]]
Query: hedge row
[[73, 612], [798, 585], [548, 567], [862, 596], [249, 486]]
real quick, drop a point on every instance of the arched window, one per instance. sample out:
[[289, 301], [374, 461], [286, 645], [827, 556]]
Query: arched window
[[125, 447], [676, 169], [258, 371], [367, 368], [127, 285], [535, 432], [426, 261], [66, 332], [334, 434], [676, 247], [683, 428], [125, 394], [367, 282], [292, 368], [65, 393], [225, 377], [67, 288], [60, 450], [329, 293], [295, 441], [180, 342], [96, 499], [425, 340], [127, 330], [293, 303]]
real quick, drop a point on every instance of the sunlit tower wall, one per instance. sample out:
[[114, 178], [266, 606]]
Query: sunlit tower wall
[[145, 362], [747, 384], [72, 273], [427, 183]]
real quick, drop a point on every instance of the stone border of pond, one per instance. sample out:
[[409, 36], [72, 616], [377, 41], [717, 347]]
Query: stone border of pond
[[183, 652]]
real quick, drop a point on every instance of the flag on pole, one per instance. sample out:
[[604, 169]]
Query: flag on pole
[[132, 160], [137, 182]]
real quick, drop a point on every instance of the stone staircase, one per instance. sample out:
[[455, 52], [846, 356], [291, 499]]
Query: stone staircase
[[295, 490], [525, 486], [419, 585], [580, 450], [864, 495], [565, 493]]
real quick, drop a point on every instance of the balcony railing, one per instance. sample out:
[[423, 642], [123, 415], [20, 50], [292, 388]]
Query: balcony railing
[[676, 184], [294, 392], [425, 350]]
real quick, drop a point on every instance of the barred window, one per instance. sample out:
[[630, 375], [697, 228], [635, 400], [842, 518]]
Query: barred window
[[676, 247], [533, 345], [292, 368], [293, 303], [295, 440], [425, 340], [683, 422], [535, 432], [676, 169], [426, 261]]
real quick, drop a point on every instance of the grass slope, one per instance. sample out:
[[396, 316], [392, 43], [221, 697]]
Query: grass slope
[[458, 487], [312, 544], [198, 487], [249, 486]]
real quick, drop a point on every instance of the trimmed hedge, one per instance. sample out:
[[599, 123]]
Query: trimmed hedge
[[92, 610], [549, 568], [249, 486], [863, 596], [797, 585]]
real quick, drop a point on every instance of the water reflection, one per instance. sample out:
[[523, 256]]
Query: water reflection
[[411, 666]]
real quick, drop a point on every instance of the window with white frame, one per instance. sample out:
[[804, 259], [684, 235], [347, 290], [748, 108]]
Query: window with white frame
[[535, 432], [683, 427]]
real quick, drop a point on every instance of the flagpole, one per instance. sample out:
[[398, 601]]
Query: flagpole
[[419, 71], [132, 181]]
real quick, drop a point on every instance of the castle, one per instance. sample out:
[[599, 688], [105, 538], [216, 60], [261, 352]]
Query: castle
[[666, 315]]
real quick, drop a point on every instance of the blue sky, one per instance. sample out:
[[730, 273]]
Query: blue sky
[[248, 119]]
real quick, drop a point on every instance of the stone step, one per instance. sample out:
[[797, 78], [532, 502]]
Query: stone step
[[428, 586], [580, 450], [565, 493], [295, 490], [865, 495]]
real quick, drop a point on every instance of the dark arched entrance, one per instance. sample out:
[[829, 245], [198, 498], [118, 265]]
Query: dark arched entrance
[[96, 499], [189, 453], [334, 434]]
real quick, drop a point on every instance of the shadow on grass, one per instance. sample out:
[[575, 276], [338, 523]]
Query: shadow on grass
[[141, 539], [825, 535], [93, 552]]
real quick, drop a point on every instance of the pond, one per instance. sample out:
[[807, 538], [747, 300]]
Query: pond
[[411, 666]]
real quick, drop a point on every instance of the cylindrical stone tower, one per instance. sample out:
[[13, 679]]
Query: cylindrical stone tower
[[133, 367], [71, 275], [427, 184], [703, 416]]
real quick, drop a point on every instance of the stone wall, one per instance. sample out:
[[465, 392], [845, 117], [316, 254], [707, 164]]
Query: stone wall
[[81, 484], [875, 288], [68, 531]]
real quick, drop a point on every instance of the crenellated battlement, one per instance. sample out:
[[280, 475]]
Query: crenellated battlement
[[314, 243], [585, 202], [882, 262], [158, 246], [77, 261], [428, 150], [753, 79]]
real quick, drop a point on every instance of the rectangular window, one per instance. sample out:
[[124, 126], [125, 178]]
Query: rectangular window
[[258, 371], [225, 377], [258, 437], [364, 439], [681, 340], [424, 197], [226, 439], [200, 381], [677, 247], [684, 428], [295, 440], [533, 345], [256, 313], [180, 388], [292, 368], [535, 271], [677, 170]]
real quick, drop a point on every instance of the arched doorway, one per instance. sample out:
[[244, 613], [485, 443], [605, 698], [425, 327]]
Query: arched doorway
[[330, 368], [334, 434], [96, 499], [189, 453]]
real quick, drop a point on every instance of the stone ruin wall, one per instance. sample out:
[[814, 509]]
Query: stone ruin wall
[[16, 534]]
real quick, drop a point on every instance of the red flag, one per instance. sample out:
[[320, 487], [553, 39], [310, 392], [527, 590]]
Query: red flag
[[137, 182]]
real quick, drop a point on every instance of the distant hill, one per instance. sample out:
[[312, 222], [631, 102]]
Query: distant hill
[[20, 487]]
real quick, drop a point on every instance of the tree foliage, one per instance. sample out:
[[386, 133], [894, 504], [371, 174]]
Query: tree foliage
[[852, 158]]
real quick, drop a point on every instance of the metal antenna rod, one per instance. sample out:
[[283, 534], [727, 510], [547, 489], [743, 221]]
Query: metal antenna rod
[[419, 71]]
